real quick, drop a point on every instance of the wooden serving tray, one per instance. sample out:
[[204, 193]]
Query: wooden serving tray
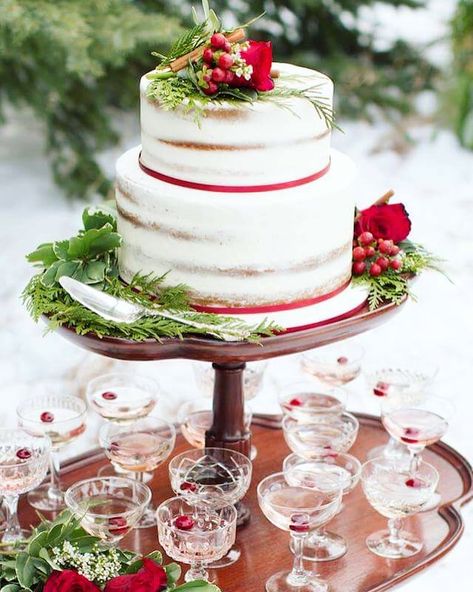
[[265, 548]]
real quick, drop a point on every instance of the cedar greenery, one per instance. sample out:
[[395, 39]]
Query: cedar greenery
[[393, 286]]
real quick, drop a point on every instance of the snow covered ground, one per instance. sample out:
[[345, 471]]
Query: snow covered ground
[[435, 181]]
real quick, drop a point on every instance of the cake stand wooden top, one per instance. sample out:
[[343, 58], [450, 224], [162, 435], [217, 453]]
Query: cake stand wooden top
[[212, 350]]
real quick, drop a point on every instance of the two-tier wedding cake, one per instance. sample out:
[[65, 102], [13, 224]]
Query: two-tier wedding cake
[[242, 199]]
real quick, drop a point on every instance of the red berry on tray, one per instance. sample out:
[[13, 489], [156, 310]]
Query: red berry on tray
[[225, 61], [395, 250], [296, 402], [385, 247], [218, 75], [46, 417], [342, 360], [208, 55], [187, 486], [410, 435], [218, 41], [395, 264], [359, 253], [109, 396], [228, 46], [375, 270], [381, 389], [359, 267], [383, 262], [211, 89], [24, 453], [117, 525], [299, 523], [365, 238], [184, 522], [415, 483]]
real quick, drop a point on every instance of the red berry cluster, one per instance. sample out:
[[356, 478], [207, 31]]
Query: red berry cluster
[[217, 63], [374, 255]]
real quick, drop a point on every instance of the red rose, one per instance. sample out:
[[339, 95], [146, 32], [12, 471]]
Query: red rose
[[69, 581], [150, 578], [259, 55], [389, 221]]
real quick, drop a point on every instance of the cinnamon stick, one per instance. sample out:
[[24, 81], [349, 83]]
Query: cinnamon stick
[[194, 55], [384, 199]]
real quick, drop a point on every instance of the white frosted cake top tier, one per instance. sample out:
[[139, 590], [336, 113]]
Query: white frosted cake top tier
[[238, 143]]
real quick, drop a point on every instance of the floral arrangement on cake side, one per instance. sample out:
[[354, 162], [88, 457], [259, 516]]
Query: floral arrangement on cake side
[[209, 63], [60, 556], [384, 258]]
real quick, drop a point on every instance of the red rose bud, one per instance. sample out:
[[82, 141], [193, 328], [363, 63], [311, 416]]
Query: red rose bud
[[259, 55], [370, 252], [208, 55], [299, 523], [359, 267], [46, 417], [381, 389], [211, 89], [390, 221], [218, 75], [184, 522], [365, 238], [375, 270], [68, 580], [225, 61], [23, 453], [109, 396], [383, 262], [218, 40], [395, 264], [359, 253]]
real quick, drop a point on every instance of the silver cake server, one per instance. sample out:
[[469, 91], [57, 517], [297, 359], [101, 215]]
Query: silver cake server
[[122, 311]]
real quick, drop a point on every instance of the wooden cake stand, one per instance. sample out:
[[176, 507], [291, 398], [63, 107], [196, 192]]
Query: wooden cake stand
[[229, 359]]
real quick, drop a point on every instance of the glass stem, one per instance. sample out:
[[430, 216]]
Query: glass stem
[[54, 491], [394, 526], [196, 572], [12, 528], [415, 460], [298, 575]]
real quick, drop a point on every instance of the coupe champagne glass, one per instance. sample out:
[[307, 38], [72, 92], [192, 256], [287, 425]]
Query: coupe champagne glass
[[212, 477], [253, 376], [195, 417], [336, 364], [24, 461], [417, 425], [108, 507], [405, 381], [122, 397], [63, 419], [196, 536], [330, 434], [397, 493], [297, 510], [335, 470], [137, 448], [305, 401]]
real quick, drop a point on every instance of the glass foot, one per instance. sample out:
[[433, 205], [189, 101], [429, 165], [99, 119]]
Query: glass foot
[[229, 559], [434, 502], [405, 546], [253, 452], [41, 499], [282, 582], [148, 519], [326, 546]]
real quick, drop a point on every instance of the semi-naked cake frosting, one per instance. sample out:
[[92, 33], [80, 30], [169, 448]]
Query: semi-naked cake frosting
[[250, 209]]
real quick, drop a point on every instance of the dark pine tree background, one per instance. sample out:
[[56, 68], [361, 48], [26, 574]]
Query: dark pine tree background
[[76, 63]]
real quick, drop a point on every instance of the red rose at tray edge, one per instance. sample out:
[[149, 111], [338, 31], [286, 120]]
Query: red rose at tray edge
[[150, 578], [387, 221], [67, 581], [259, 55]]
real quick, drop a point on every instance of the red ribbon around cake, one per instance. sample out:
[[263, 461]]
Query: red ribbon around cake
[[233, 188], [231, 310]]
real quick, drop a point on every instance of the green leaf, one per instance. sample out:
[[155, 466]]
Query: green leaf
[[173, 572], [44, 554], [25, 570], [37, 543], [197, 586], [93, 242], [67, 268], [156, 556], [48, 278], [43, 254], [97, 218], [60, 249], [95, 271], [11, 588]]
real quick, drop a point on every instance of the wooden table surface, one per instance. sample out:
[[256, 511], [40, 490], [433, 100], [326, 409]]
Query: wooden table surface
[[265, 548]]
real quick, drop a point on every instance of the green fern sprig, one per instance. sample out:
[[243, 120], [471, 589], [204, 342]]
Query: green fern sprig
[[187, 42]]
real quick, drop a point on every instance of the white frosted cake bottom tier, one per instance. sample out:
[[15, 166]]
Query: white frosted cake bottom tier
[[238, 249]]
